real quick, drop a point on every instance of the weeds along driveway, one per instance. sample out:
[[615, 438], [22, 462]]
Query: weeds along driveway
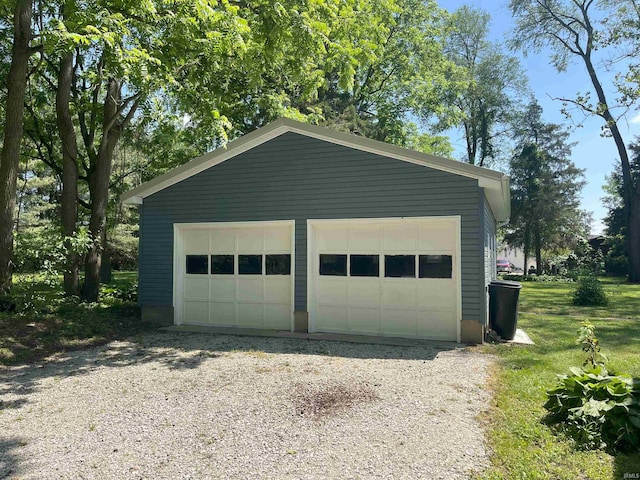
[[202, 406]]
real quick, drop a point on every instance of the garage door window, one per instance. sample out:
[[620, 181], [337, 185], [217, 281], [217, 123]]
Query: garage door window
[[197, 264], [222, 265], [278, 264], [365, 265], [334, 265], [250, 264], [400, 266], [435, 266]]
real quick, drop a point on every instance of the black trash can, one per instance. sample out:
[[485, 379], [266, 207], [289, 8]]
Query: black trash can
[[503, 307]]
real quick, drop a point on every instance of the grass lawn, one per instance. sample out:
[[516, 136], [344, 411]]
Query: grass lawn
[[50, 324], [523, 447]]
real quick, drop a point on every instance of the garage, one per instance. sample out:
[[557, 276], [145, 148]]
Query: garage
[[385, 277], [234, 274], [301, 228]]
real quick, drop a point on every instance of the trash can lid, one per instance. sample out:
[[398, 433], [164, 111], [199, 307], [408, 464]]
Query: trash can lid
[[505, 284]]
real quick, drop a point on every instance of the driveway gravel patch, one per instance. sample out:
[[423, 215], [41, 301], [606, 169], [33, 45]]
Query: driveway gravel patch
[[195, 406]]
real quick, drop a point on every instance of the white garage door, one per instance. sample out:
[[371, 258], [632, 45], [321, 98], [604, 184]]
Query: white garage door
[[234, 274], [390, 277]]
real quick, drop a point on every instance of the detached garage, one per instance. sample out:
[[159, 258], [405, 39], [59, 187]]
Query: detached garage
[[300, 228]]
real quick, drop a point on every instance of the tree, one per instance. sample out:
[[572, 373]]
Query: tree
[[13, 131], [491, 84], [545, 190], [573, 30]]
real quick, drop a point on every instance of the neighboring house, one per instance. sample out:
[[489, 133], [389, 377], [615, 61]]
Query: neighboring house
[[298, 227], [516, 256]]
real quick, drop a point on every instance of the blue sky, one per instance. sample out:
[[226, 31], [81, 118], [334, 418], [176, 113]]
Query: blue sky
[[595, 154]]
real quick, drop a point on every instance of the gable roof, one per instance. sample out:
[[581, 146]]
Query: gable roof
[[496, 184]]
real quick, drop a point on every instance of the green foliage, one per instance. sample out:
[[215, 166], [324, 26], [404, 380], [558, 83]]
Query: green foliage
[[537, 278], [598, 409], [488, 85], [125, 293], [545, 199], [590, 292], [590, 345]]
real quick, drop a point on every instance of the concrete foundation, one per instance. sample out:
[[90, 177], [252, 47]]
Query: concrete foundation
[[158, 315], [300, 321], [471, 331]]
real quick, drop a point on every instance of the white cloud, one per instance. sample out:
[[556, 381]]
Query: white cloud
[[635, 119]]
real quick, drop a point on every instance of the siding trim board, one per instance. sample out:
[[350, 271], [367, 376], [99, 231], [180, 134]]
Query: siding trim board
[[497, 184]]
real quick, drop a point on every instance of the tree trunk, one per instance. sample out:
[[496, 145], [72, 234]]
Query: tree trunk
[[13, 130], [631, 191], [633, 239], [99, 191], [69, 200], [526, 246], [538, 247]]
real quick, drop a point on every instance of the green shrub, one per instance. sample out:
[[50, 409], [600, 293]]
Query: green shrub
[[597, 408], [616, 265], [590, 292]]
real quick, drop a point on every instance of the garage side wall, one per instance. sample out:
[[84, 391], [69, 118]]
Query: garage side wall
[[490, 251], [295, 177]]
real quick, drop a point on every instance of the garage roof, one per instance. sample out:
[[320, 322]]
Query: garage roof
[[496, 184]]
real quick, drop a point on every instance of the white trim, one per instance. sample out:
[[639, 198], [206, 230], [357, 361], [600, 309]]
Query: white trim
[[311, 224], [489, 179], [311, 326], [178, 254]]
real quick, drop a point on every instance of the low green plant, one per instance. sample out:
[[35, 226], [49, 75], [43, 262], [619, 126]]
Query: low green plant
[[598, 409], [590, 292]]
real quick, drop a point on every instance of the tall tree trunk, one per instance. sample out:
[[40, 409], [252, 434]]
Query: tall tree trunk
[[538, 247], [99, 190], [630, 190], [13, 130], [633, 239], [69, 200]]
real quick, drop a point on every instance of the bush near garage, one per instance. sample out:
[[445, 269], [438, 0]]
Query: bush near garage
[[598, 409]]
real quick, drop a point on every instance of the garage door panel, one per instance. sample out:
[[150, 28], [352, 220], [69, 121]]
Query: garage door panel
[[277, 290], [196, 241], [277, 240], [399, 293], [436, 293], [222, 313], [332, 318], [332, 291], [196, 287], [250, 289], [365, 239], [249, 240], [277, 316], [403, 306], [400, 238], [364, 293], [398, 322], [222, 290], [364, 320], [223, 240], [197, 312], [436, 238], [437, 324], [249, 315], [219, 294], [333, 239]]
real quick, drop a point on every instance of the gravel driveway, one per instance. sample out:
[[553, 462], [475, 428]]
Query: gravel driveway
[[204, 406]]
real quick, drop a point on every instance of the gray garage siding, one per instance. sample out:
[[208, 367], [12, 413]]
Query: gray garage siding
[[298, 177], [489, 247]]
